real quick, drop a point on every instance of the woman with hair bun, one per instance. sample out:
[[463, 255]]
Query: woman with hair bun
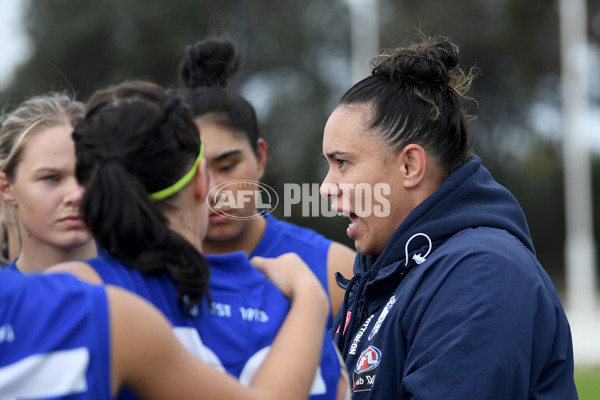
[[448, 300], [235, 151], [140, 158]]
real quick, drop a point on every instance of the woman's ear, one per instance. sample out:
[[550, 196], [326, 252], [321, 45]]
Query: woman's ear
[[261, 157], [413, 165], [6, 190]]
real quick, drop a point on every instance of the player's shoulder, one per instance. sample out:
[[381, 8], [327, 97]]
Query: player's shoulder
[[295, 232]]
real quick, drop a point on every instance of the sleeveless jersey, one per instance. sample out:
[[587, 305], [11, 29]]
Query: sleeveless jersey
[[158, 290], [54, 338], [244, 318], [282, 237], [13, 266], [234, 332]]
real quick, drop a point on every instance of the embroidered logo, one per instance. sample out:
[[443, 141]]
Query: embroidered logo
[[366, 369], [368, 360], [382, 316]]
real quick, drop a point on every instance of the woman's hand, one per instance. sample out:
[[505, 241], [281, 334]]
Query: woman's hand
[[290, 274]]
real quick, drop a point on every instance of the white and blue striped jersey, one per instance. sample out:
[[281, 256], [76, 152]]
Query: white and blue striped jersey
[[54, 338]]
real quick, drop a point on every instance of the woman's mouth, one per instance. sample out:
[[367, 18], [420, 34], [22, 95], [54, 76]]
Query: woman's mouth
[[218, 218], [354, 220], [73, 221]]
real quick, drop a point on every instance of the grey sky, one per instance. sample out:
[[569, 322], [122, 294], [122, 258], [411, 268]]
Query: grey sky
[[14, 46]]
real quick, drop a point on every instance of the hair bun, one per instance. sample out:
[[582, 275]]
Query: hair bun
[[210, 62], [446, 52], [423, 65]]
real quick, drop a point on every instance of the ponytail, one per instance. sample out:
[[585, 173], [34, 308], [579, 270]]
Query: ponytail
[[124, 153]]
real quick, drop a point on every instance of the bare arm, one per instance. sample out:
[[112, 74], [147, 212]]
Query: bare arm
[[157, 366], [339, 259], [309, 307]]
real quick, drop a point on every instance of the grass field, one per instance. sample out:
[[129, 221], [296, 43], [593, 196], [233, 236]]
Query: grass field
[[588, 383]]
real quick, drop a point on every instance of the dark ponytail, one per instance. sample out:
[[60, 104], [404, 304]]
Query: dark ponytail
[[137, 139]]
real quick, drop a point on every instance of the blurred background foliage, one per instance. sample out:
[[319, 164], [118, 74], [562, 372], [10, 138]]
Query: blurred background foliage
[[296, 64]]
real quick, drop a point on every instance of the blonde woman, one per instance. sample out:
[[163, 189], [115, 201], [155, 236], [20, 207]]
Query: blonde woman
[[37, 182]]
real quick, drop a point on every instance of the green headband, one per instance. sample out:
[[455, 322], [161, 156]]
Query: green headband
[[177, 186]]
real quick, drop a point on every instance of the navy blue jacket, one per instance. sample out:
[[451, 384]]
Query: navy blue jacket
[[456, 306]]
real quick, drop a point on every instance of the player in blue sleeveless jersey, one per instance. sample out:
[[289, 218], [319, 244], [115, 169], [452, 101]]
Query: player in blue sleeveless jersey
[[235, 330], [236, 152], [38, 187], [147, 208], [61, 338]]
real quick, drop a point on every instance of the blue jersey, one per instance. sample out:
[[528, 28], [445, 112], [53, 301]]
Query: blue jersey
[[281, 237], [244, 318], [54, 338], [158, 290], [13, 266], [234, 332]]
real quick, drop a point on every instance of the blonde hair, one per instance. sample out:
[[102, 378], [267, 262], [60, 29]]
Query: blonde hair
[[46, 111]]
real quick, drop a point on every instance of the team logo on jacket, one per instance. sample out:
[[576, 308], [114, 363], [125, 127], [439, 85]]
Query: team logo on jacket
[[366, 369]]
